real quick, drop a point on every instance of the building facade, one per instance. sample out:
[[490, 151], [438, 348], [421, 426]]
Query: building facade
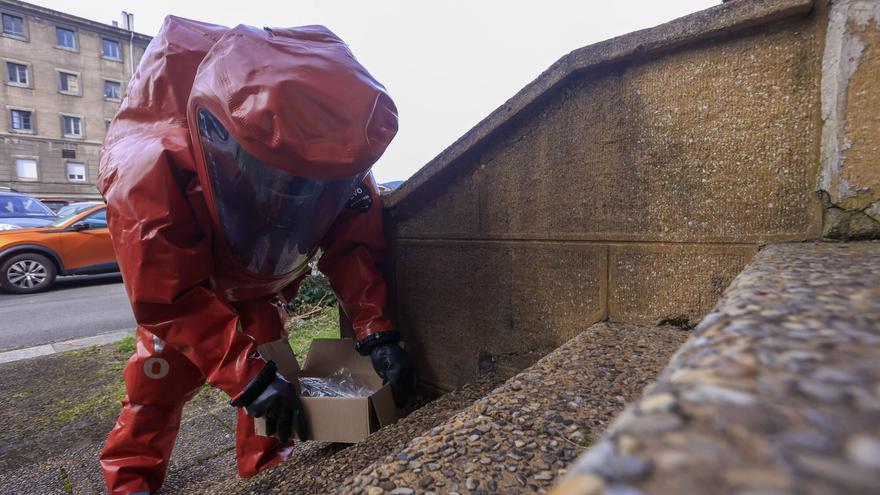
[[63, 81]]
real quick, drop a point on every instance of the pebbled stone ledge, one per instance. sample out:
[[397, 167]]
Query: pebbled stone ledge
[[777, 391], [522, 435]]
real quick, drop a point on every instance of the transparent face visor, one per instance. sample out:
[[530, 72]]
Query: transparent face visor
[[272, 220]]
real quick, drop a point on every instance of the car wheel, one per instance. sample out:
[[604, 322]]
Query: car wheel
[[26, 273]]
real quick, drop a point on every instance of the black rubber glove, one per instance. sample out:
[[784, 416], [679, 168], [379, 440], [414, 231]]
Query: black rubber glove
[[394, 366], [269, 395]]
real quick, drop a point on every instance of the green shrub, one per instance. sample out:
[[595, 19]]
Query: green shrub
[[314, 291]]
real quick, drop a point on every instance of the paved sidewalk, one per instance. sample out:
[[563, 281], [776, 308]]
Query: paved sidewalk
[[56, 411], [67, 345]]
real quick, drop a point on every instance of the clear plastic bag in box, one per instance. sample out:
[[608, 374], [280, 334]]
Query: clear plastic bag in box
[[339, 384]]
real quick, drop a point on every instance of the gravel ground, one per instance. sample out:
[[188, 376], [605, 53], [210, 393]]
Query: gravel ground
[[777, 393], [522, 435]]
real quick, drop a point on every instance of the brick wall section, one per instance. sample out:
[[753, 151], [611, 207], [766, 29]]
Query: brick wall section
[[634, 191]]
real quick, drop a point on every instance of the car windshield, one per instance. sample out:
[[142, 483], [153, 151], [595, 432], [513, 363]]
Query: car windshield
[[75, 208], [12, 205], [64, 218]]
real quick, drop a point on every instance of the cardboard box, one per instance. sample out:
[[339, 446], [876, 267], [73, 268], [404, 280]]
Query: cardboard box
[[336, 419]]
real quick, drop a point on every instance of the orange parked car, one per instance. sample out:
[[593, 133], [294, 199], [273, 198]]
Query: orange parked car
[[78, 244]]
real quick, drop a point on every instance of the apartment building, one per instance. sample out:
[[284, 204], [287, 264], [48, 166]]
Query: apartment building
[[63, 81]]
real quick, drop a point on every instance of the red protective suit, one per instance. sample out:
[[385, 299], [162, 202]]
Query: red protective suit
[[201, 314]]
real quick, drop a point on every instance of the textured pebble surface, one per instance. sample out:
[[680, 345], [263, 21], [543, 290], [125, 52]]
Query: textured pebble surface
[[523, 435], [517, 438], [777, 391], [317, 468]]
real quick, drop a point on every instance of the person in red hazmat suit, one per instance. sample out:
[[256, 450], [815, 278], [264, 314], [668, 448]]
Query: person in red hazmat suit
[[236, 155]]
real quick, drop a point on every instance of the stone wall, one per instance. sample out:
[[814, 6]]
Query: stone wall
[[633, 189], [850, 181]]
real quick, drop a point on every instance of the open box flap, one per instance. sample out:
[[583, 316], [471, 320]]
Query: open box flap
[[383, 405], [280, 352], [337, 419], [328, 355]]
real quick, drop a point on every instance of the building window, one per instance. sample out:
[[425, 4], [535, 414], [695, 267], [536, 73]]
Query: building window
[[76, 172], [71, 126], [17, 74], [65, 38], [110, 49], [26, 169], [112, 90], [68, 83], [13, 25], [21, 120]]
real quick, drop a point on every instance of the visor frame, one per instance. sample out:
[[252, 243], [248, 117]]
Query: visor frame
[[273, 282]]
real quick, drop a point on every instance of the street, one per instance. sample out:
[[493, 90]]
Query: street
[[74, 307]]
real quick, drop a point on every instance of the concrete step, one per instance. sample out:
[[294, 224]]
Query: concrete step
[[777, 392]]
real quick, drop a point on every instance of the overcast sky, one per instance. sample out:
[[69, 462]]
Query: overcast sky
[[447, 64]]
